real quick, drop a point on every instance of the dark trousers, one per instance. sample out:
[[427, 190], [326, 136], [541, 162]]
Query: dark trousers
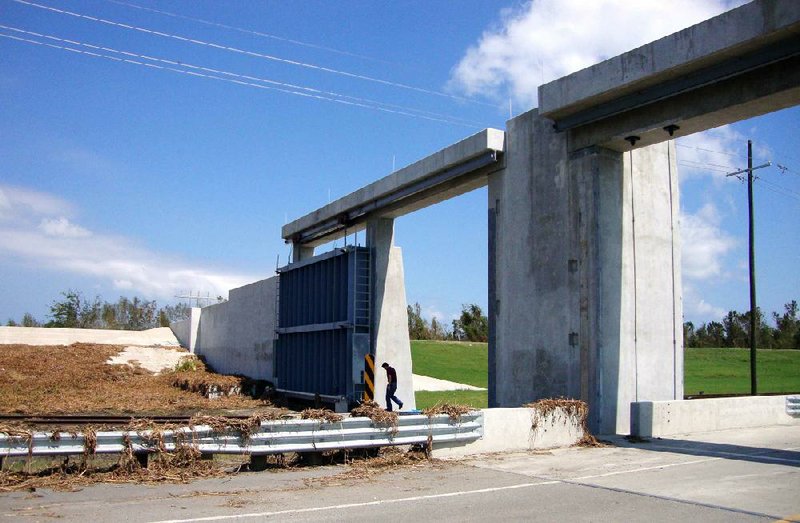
[[391, 388]]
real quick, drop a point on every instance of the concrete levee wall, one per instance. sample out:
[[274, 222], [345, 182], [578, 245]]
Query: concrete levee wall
[[186, 330], [517, 430], [160, 336], [236, 336], [667, 418]]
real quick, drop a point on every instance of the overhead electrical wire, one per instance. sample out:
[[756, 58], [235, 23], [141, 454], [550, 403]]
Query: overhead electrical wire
[[231, 80], [440, 117], [247, 31], [253, 53]]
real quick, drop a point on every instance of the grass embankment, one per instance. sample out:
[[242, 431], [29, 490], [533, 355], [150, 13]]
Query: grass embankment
[[713, 371], [727, 371], [462, 362]]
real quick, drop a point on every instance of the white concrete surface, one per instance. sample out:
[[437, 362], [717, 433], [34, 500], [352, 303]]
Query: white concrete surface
[[435, 384], [154, 359], [186, 330], [668, 418], [237, 336], [514, 430], [162, 336]]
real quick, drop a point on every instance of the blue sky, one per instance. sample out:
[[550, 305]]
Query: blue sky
[[119, 178]]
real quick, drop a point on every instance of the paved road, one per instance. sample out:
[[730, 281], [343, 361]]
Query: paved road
[[746, 475]]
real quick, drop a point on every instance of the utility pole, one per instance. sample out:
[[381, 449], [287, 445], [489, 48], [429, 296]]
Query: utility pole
[[753, 323]]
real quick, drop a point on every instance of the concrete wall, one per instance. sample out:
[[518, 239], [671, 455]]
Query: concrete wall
[[585, 300], [186, 330], [668, 418], [161, 336], [517, 430], [236, 336]]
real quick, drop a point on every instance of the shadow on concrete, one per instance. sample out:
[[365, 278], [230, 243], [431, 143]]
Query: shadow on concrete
[[790, 458]]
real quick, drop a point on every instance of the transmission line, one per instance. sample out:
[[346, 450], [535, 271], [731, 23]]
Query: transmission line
[[231, 80], [247, 31], [443, 117], [252, 53]]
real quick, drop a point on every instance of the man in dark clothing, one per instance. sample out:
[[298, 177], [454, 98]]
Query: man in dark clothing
[[391, 387]]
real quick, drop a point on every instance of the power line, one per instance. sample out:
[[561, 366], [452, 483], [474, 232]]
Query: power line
[[248, 31], [440, 117], [708, 150], [789, 192], [231, 80], [780, 193], [252, 53]]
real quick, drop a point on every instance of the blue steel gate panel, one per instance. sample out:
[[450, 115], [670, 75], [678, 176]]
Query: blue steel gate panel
[[323, 323]]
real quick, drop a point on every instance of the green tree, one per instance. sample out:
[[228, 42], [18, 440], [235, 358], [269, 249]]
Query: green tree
[[418, 328], [472, 325], [75, 311], [11, 323], [29, 321], [787, 333]]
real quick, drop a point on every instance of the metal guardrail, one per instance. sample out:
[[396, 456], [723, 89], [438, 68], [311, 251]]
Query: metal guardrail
[[273, 437], [793, 406]]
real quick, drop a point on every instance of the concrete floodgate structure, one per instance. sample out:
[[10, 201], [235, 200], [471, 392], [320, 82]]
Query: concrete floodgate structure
[[583, 216]]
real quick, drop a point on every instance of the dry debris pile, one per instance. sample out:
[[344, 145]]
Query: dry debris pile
[[323, 415], [571, 408], [378, 415], [77, 379], [454, 411]]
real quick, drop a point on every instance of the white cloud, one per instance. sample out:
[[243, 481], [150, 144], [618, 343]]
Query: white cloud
[[696, 307], [32, 229], [62, 227], [712, 153], [547, 39], [705, 244]]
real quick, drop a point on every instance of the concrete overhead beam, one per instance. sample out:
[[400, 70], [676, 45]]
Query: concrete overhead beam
[[737, 65], [454, 170]]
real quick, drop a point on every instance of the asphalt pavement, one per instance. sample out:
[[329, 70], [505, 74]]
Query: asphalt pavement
[[738, 475]]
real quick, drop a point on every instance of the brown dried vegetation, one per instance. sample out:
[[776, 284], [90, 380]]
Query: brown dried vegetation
[[452, 410], [571, 408], [324, 415], [77, 379], [378, 415]]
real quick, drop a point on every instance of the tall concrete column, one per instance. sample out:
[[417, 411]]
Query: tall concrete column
[[585, 296], [390, 339], [301, 252]]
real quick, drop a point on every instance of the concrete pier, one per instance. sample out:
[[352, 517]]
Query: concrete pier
[[585, 273], [389, 314]]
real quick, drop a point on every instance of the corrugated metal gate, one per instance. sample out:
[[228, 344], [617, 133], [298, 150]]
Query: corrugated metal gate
[[323, 324]]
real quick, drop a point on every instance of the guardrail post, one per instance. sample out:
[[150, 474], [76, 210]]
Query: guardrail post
[[258, 463], [142, 458]]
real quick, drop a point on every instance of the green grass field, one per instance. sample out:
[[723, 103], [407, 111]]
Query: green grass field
[[712, 371]]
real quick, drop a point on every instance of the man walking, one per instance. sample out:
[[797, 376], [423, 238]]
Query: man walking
[[391, 387]]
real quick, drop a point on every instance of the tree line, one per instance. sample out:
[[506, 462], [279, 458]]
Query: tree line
[[471, 325], [734, 330], [75, 311]]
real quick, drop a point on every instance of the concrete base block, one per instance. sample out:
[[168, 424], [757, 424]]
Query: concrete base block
[[654, 419], [517, 430]]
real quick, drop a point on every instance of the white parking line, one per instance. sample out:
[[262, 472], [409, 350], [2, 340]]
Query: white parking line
[[365, 504]]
